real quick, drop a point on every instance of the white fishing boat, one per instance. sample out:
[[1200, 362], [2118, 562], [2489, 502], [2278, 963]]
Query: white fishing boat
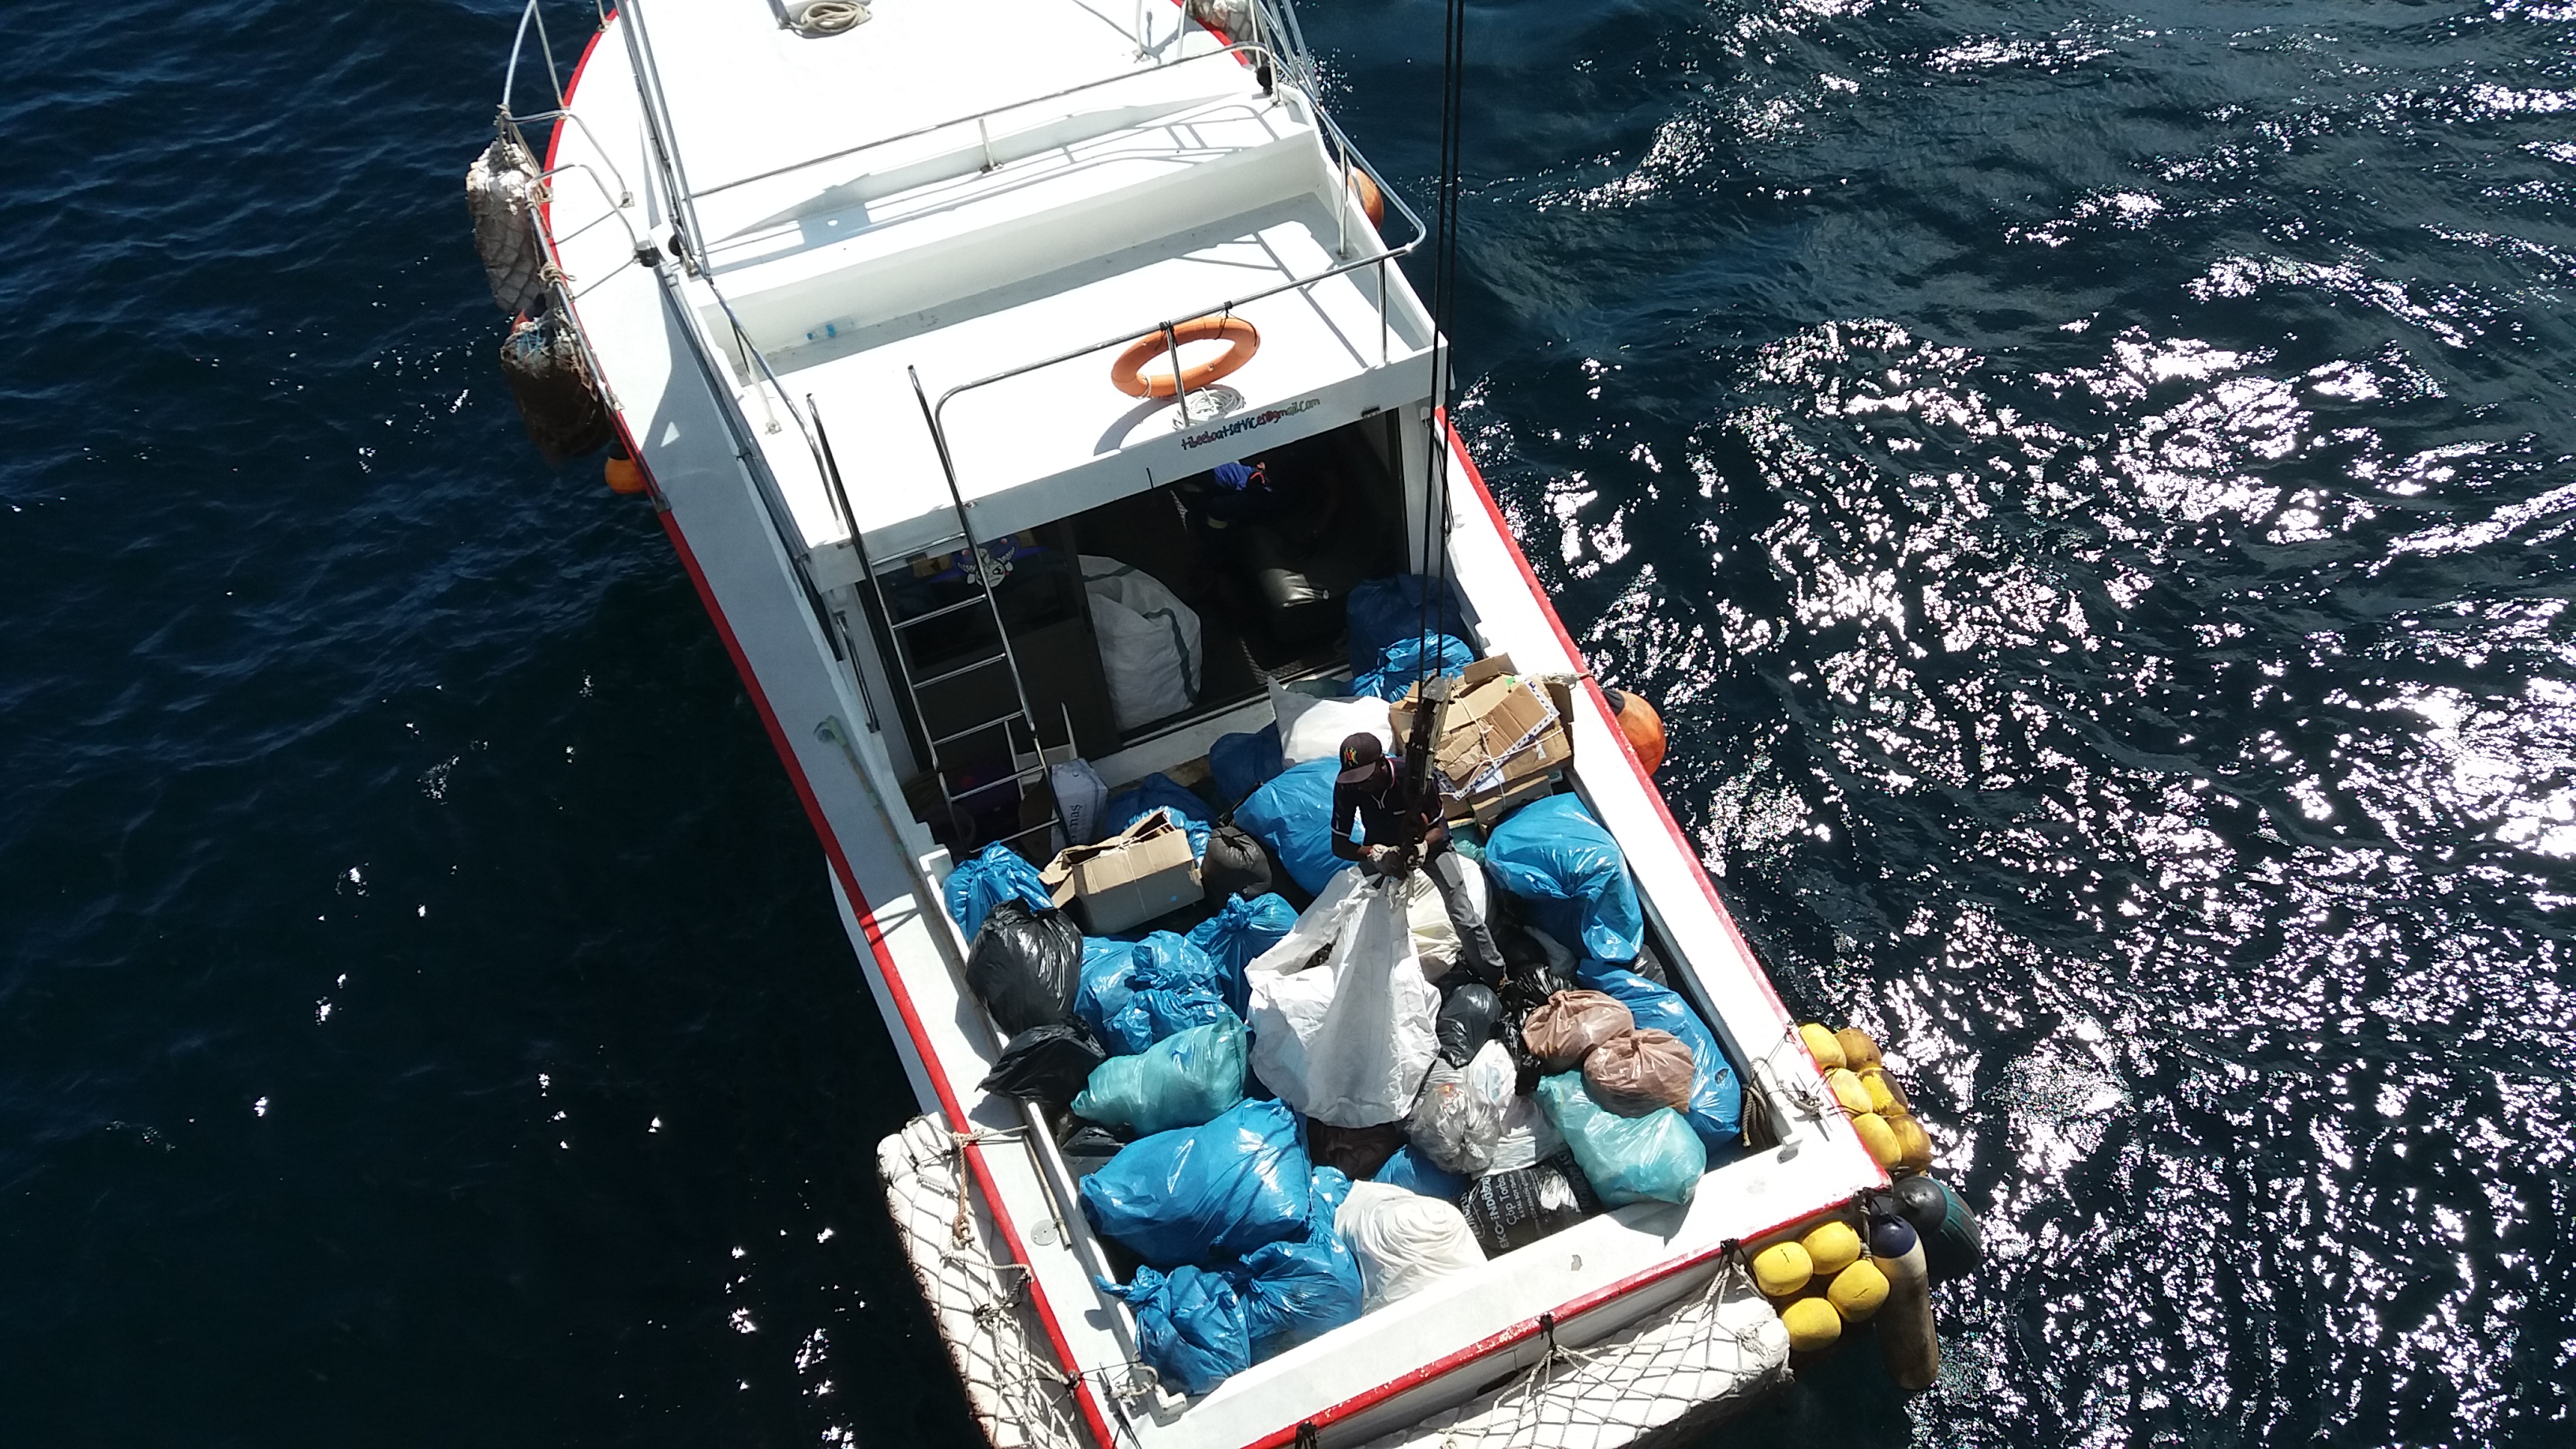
[[868, 295]]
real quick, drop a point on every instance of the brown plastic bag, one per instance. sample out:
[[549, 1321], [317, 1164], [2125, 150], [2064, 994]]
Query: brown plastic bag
[[1637, 1072], [1572, 1023]]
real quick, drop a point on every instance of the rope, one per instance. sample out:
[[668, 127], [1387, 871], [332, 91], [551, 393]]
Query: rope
[[831, 17]]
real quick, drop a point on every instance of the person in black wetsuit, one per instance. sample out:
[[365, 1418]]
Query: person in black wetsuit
[[1369, 791]]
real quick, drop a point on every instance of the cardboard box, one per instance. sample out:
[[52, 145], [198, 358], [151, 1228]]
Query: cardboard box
[[1130, 878], [1501, 739]]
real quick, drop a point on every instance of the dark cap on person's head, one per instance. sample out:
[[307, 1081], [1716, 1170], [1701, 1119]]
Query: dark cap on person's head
[[1361, 755]]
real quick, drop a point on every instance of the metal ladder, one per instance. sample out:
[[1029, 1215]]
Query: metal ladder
[[973, 565]]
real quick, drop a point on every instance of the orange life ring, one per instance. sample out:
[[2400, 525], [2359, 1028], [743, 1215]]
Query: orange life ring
[[1241, 340], [1372, 200]]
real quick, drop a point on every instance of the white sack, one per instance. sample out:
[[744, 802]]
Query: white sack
[[1348, 1039], [1435, 940], [1528, 1137], [1149, 642], [1405, 1242], [1313, 729]]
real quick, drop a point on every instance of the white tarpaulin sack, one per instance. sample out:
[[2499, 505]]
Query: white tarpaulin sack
[[1347, 1039], [1149, 642], [1405, 1242], [1313, 729]]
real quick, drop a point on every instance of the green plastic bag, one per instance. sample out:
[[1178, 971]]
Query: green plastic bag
[[1655, 1158], [1186, 1079]]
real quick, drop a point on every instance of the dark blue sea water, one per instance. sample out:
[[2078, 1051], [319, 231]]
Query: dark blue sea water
[[2090, 486]]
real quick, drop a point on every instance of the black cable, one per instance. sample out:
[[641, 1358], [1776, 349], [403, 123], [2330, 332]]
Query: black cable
[[1444, 297]]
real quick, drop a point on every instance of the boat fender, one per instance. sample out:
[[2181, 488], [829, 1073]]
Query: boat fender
[[1822, 1046], [1859, 1052], [558, 400], [502, 193], [1848, 1091], [1906, 1343], [1128, 374], [1812, 1323], [1857, 1291], [1372, 201], [1880, 1138], [1886, 1097], [624, 475], [1913, 1144], [1831, 1247], [1782, 1269], [1951, 1243], [1642, 726]]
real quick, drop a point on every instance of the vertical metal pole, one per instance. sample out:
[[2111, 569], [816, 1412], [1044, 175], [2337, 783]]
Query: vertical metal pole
[[1180, 389]]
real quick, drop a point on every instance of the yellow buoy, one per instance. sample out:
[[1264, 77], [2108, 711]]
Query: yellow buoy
[[1876, 1135], [1813, 1324], [1848, 1090], [1782, 1269], [1831, 1248], [1857, 1291], [1822, 1046], [1858, 1050], [1913, 1145], [1886, 1098]]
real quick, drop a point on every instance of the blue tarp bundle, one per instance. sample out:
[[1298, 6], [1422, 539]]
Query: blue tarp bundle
[[1552, 850], [1135, 993], [1189, 1325], [997, 875], [1656, 1157], [1293, 815], [1301, 1288], [1383, 611], [1243, 763], [1717, 1099], [1400, 665], [1183, 1080], [1414, 1172], [1206, 1194], [1243, 928], [1160, 792]]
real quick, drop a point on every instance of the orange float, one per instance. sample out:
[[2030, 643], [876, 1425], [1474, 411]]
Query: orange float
[[623, 474], [1639, 722], [1372, 200], [1127, 374]]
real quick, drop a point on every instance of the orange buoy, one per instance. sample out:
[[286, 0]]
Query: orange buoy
[[1639, 722], [1241, 340], [1372, 201], [623, 473]]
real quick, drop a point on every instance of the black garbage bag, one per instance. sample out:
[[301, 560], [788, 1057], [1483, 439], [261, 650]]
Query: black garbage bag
[[1024, 967], [1507, 1210], [1048, 1064], [1236, 864], [1466, 1022]]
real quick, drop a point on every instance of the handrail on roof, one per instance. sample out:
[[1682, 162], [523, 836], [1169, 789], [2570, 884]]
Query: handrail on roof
[[1237, 48]]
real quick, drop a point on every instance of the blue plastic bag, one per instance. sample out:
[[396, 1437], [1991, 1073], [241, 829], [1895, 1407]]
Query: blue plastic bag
[[1553, 850], [1654, 1158], [989, 879], [1161, 792], [1183, 1080], [1241, 930], [1206, 1194], [1189, 1326], [1302, 1288], [1717, 1099], [1400, 665], [1243, 763], [1413, 1172], [1382, 611], [1293, 815], [1135, 993]]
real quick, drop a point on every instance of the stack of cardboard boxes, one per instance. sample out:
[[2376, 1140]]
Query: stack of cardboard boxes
[[1504, 743]]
